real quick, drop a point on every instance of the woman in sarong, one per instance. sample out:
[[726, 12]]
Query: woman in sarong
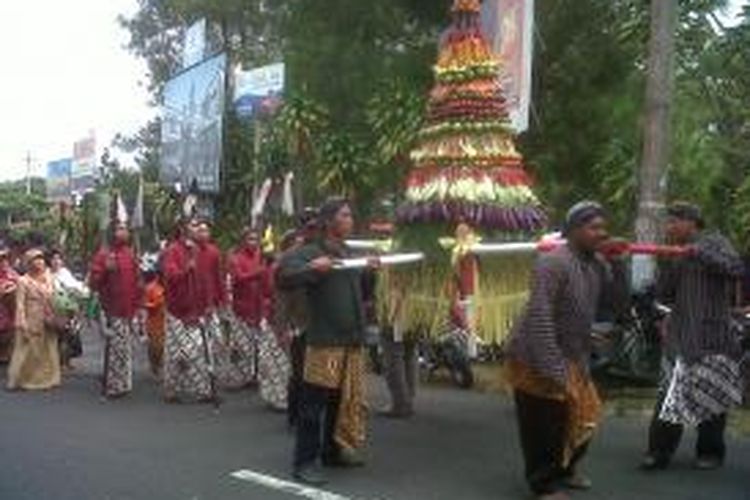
[[35, 364]]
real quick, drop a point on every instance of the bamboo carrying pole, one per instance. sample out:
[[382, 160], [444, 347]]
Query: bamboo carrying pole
[[499, 249]]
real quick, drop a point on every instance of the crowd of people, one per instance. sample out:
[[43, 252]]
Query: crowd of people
[[295, 324], [284, 322]]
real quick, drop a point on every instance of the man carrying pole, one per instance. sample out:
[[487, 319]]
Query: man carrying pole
[[557, 404], [702, 350], [331, 424]]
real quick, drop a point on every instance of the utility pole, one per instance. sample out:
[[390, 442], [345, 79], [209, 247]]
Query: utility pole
[[28, 173], [656, 134]]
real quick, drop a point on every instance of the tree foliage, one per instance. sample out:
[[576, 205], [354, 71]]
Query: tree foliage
[[358, 73]]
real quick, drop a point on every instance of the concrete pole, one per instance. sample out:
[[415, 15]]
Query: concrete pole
[[656, 135]]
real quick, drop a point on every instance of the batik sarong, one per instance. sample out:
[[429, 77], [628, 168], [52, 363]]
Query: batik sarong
[[341, 368], [697, 392], [213, 330], [236, 353], [187, 361], [274, 370], [579, 394], [118, 375]]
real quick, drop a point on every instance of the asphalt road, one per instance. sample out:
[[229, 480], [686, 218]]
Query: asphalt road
[[69, 445]]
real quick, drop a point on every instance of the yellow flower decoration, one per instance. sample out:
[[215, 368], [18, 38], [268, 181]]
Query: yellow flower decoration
[[463, 243], [267, 242]]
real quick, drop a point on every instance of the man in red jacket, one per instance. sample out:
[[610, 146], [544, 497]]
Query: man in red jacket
[[114, 276], [210, 267], [193, 292], [249, 283]]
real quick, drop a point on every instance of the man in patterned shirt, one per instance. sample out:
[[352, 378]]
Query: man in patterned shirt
[[702, 351], [556, 401]]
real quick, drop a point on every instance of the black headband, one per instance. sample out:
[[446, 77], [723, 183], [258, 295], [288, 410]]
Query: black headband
[[686, 211], [581, 214]]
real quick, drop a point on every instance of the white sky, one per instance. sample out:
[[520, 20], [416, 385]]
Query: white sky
[[65, 72], [734, 8]]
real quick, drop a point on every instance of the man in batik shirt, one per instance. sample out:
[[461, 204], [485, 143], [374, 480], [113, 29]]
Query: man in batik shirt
[[548, 357], [115, 277], [702, 350]]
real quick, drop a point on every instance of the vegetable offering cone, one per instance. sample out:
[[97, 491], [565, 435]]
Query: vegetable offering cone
[[466, 171]]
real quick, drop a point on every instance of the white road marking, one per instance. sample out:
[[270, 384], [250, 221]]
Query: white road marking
[[290, 487]]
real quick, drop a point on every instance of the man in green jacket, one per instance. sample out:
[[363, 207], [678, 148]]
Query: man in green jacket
[[332, 418]]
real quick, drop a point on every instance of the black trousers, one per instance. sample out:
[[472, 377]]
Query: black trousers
[[542, 423], [294, 389], [401, 371], [664, 437], [316, 423]]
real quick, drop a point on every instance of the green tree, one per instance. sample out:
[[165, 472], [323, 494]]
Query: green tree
[[354, 69]]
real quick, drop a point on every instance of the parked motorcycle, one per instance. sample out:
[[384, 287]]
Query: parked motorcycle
[[630, 349], [450, 352]]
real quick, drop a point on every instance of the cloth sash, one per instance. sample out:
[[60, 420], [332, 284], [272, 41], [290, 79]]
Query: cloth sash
[[341, 368]]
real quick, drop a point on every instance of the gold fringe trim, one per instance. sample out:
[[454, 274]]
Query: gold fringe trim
[[418, 298], [502, 292]]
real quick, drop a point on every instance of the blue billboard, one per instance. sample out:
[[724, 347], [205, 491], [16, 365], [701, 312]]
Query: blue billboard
[[192, 126], [58, 179], [259, 90]]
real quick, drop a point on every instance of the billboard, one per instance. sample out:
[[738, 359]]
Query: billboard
[[83, 166], [509, 26], [258, 90], [192, 122], [194, 48], [58, 180]]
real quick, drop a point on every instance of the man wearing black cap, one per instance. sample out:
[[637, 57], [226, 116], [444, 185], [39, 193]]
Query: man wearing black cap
[[557, 404], [701, 348]]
